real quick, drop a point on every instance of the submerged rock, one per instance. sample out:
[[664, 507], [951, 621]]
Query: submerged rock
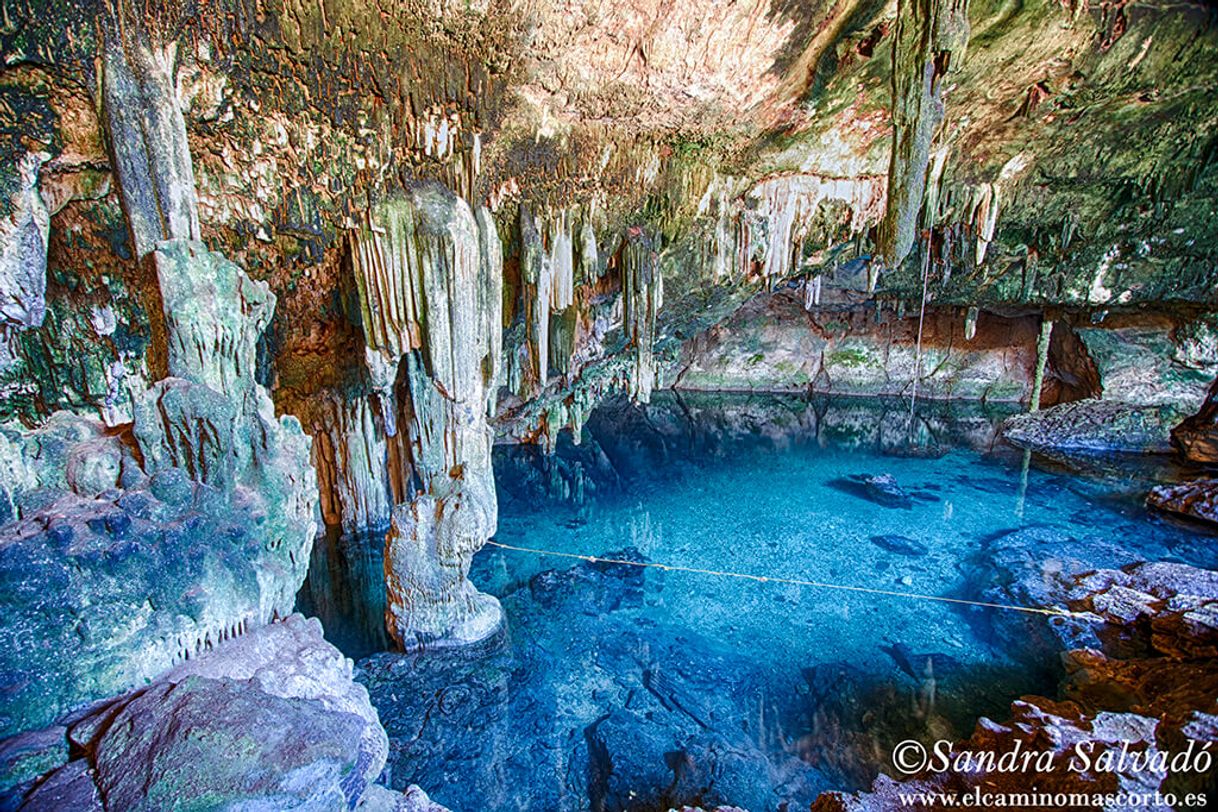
[[884, 490], [1141, 689], [381, 799], [902, 545], [1093, 426], [1197, 499], [664, 717]]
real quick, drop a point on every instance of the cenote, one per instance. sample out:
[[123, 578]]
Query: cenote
[[614, 687], [615, 406]]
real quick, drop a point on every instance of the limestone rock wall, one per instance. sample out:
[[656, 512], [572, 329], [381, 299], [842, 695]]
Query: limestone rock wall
[[775, 343], [160, 538]]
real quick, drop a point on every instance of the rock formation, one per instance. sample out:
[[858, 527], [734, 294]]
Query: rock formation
[[271, 719], [430, 283], [1141, 682], [151, 157], [1095, 426], [1197, 499], [1197, 436], [192, 524]]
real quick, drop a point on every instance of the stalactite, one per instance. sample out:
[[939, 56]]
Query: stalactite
[[590, 268], [970, 324], [642, 298], [23, 251], [1042, 358], [147, 135], [789, 206], [812, 287], [561, 258], [535, 275], [490, 304], [985, 219], [929, 42], [564, 336], [350, 455]]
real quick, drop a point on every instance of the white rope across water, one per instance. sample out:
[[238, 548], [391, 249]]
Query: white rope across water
[[770, 579]]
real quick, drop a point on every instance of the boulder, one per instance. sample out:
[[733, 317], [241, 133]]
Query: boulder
[[28, 756], [208, 743], [1197, 436], [268, 721]]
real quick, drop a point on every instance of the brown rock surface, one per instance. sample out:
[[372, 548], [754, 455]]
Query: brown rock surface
[[1197, 499]]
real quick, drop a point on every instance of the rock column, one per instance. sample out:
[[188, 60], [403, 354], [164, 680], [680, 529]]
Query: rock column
[[147, 135], [430, 282]]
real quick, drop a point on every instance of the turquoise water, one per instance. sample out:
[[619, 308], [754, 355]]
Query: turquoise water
[[620, 687]]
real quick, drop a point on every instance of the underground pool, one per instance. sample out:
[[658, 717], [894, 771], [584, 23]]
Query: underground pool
[[615, 686]]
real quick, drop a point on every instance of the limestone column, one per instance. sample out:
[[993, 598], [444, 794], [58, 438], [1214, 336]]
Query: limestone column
[[430, 281]]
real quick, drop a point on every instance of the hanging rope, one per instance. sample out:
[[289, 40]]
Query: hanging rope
[[769, 579]]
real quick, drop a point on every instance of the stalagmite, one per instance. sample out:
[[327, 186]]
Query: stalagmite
[[929, 42], [1042, 358], [429, 276], [210, 417]]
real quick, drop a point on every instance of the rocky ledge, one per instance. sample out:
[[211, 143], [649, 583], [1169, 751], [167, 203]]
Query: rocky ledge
[[1139, 691], [1093, 426], [270, 720], [1196, 500]]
